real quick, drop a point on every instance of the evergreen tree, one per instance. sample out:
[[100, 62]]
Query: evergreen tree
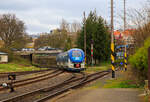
[[96, 30]]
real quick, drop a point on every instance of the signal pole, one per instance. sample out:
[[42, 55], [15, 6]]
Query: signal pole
[[84, 36], [112, 41], [92, 51], [125, 52]]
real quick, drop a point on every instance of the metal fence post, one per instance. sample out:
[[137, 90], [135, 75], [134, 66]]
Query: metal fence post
[[148, 68]]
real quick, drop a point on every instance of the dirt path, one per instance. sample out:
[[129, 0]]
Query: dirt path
[[101, 95]]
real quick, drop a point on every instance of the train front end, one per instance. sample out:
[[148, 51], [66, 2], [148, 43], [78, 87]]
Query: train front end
[[76, 60]]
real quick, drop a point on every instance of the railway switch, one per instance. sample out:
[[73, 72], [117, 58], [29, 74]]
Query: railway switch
[[10, 86]]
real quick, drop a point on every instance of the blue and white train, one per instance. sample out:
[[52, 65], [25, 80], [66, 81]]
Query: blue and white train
[[72, 60]]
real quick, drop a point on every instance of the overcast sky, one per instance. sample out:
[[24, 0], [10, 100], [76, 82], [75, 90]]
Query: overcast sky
[[45, 15]]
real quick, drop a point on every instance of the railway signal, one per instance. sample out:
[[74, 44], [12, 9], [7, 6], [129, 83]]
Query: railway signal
[[10, 86], [92, 51], [11, 77]]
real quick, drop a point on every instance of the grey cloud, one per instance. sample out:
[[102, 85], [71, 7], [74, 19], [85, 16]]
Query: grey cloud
[[43, 15]]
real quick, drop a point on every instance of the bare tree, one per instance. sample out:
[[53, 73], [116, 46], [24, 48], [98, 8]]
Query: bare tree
[[140, 19], [60, 38], [41, 41], [64, 25], [54, 40], [12, 30]]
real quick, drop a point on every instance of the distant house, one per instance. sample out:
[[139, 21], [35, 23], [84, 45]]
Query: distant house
[[30, 45], [125, 36], [3, 57], [118, 35], [128, 36]]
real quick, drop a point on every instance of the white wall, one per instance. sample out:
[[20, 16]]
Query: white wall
[[3, 58]]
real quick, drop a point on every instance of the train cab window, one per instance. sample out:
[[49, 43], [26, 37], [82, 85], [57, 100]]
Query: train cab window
[[76, 54]]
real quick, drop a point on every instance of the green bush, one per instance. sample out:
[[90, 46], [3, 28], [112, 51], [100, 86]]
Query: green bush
[[139, 60]]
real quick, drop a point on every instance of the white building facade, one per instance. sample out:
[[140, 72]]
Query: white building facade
[[3, 57]]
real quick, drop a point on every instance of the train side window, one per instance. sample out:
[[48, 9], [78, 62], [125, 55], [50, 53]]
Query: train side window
[[63, 58], [67, 58]]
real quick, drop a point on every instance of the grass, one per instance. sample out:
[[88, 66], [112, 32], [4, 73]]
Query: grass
[[115, 83], [95, 85], [125, 80], [11, 67], [120, 83], [146, 99], [103, 66], [17, 64]]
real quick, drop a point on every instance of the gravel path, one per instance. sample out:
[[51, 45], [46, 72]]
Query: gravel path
[[34, 86], [21, 77]]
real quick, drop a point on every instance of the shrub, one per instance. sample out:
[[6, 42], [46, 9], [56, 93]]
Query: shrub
[[139, 60]]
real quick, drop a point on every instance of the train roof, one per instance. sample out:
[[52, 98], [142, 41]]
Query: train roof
[[70, 51], [75, 49]]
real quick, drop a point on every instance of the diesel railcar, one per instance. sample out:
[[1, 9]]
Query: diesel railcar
[[72, 60]]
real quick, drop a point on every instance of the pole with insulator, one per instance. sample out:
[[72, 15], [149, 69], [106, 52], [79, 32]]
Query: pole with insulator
[[125, 52]]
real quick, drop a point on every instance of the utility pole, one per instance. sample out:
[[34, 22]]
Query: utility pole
[[124, 15], [84, 36], [125, 52], [112, 41]]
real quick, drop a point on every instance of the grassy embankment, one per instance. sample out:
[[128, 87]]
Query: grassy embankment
[[120, 83], [124, 80], [102, 66], [21, 65]]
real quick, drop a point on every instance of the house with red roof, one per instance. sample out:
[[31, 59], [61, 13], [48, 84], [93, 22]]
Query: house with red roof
[[124, 37], [128, 36]]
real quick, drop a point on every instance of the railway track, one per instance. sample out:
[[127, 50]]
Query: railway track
[[5, 74], [27, 81], [2, 75], [46, 93]]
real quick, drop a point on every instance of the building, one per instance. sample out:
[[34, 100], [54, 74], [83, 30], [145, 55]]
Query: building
[[124, 37], [3, 57], [118, 35], [128, 36]]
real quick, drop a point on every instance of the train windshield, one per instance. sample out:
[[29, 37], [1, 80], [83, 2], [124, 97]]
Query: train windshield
[[76, 54]]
